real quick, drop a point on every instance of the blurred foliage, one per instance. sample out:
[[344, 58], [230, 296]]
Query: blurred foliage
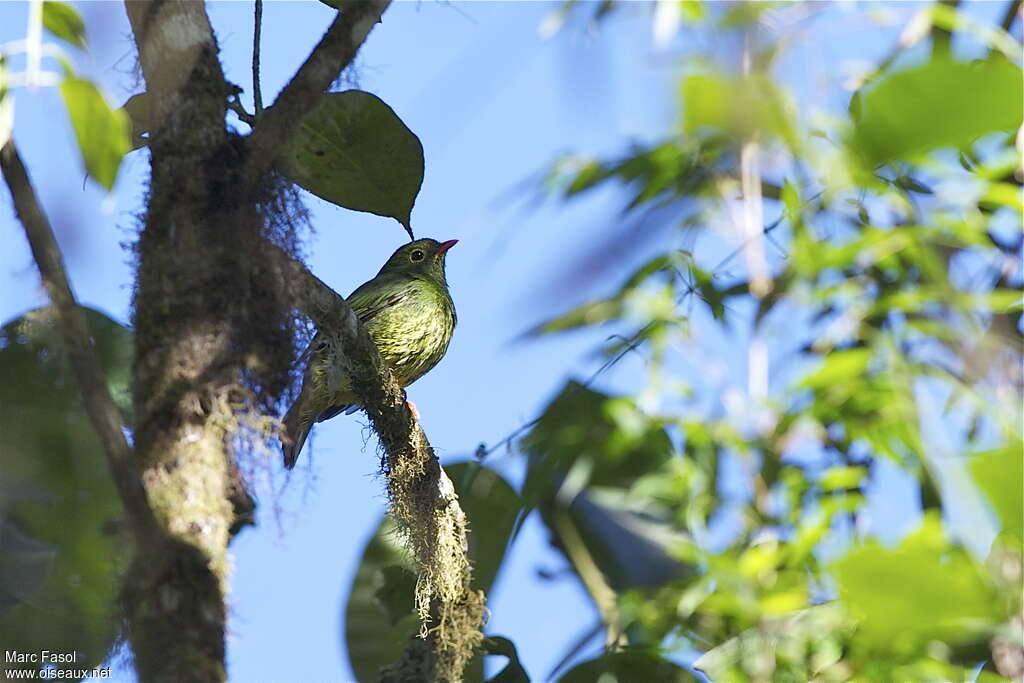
[[60, 549], [944, 103], [103, 132], [64, 21], [724, 529]]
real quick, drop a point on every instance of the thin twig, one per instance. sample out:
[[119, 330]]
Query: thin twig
[[332, 54], [1012, 11], [593, 579], [100, 406], [257, 95], [482, 453], [244, 116]]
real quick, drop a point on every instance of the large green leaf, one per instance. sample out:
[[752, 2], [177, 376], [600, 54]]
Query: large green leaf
[[354, 151], [743, 107], [379, 617], [632, 542], [605, 440], [943, 103], [492, 507], [64, 21], [137, 109], [999, 475], [584, 452], [628, 667], [375, 634], [924, 590], [59, 550], [103, 133]]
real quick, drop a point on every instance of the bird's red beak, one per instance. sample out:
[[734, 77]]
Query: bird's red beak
[[445, 246]]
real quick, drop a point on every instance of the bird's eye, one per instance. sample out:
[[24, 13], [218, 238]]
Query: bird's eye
[[417, 255]]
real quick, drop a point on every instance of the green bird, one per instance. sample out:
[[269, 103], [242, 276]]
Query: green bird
[[409, 314]]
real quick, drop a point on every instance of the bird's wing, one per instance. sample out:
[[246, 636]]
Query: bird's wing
[[372, 298]]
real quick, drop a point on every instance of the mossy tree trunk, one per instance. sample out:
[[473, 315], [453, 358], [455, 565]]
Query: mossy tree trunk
[[217, 285], [185, 334]]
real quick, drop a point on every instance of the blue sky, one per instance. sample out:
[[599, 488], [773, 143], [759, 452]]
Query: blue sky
[[493, 103]]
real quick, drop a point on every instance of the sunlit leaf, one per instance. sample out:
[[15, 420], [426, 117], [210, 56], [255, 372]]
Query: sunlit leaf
[[925, 589], [1002, 194], [952, 19], [943, 103], [999, 474], [352, 150], [64, 21], [843, 477], [742, 107], [840, 366], [103, 133]]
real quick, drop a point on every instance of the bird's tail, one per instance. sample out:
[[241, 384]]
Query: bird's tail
[[295, 432]]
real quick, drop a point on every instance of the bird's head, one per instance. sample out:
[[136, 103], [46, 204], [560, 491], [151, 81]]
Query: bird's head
[[423, 257]]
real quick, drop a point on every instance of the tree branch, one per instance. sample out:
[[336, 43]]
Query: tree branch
[[99, 404], [257, 29], [422, 498], [1011, 14], [178, 53], [592, 577], [328, 59]]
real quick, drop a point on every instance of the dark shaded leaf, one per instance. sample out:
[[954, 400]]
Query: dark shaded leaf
[[352, 150], [628, 667], [513, 671], [612, 442], [492, 507], [59, 562], [25, 564], [631, 542], [137, 109], [396, 592], [379, 617]]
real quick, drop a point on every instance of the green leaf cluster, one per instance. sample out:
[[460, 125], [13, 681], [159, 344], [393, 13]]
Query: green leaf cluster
[[732, 526]]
